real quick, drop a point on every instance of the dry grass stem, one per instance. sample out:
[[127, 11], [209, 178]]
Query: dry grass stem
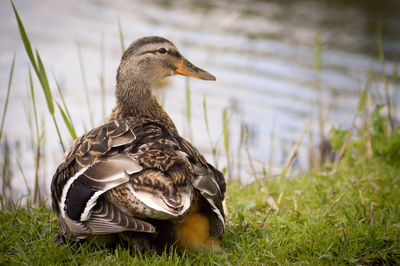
[[280, 199], [246, 147], [271, 202], [334, 203], [293, 152]]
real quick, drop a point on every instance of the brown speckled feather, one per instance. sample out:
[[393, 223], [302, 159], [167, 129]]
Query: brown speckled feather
[[94, 165], [84, 152], [157, 162]]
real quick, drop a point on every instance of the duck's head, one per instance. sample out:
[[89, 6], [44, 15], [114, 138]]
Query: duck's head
[[151, 59]]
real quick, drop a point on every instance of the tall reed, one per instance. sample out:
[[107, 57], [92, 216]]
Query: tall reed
[[188, 108], [10, 78], [318, 56], [40, 71], [102, 77], [225, 123], [212, 145], [85, 86], [65, 115], [394, 84], [342, 150], [39, 137], [385, 81], [6, 195], [121, 36]]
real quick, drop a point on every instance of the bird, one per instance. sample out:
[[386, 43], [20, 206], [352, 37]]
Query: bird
[[134, 178]]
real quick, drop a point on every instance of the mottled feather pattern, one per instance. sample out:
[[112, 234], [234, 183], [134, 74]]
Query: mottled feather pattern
[[166, 177], [193, 154], [153, 181], [151, 186], [105, 211], [81, 154], [153, 145], [160, 154]]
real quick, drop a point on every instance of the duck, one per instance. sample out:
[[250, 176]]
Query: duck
[[134, 178]]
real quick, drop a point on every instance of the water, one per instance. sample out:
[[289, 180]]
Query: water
[[262, 53]]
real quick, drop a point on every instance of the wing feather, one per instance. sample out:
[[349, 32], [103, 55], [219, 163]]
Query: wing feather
[[105, 174], [90, 168], [211, 191], [107, 219]]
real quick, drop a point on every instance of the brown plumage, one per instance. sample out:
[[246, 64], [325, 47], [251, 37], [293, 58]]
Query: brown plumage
[[134, 177]]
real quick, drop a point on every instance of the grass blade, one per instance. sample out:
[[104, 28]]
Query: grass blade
[[271, 149], [321, 122], [225, 128], [36, 190], [246, 141], [394, 84], [66, 121], [121, 36], [361, 102], [85, 86], [318, 49], [205, 114], [49, 97], [34, 105], [225, 122], [38, 141], [385, 81], [101, 77], [58, 133], [45, 84], [188, 109], [25, 39], [188, 103], [349, 133], [25, 180], [10, 77], [293, 152], [6, 186], [40, 71], [64, 104], [213, 147]]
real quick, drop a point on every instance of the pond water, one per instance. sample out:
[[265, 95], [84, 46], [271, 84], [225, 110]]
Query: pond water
[[261, 52]]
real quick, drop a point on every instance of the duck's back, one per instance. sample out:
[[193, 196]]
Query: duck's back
[[129, 173]]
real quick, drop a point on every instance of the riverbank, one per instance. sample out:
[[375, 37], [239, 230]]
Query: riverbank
[[347, 217]]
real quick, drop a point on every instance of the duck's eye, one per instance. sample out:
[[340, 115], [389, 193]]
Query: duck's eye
[[162, 51]]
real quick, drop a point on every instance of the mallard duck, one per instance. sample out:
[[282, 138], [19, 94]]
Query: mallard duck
[[134, 177]]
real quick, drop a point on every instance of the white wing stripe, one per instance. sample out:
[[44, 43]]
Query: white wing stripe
[[89, 205], [66, 188], [217, 211]]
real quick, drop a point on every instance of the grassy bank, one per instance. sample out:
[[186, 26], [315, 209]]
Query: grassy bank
[[350, 217]]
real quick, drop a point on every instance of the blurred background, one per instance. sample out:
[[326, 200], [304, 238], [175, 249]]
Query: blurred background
[[282, 67]]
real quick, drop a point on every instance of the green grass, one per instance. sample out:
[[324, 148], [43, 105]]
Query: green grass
[[363, 227]]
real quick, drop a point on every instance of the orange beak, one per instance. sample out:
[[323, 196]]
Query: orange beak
[[188, 69]]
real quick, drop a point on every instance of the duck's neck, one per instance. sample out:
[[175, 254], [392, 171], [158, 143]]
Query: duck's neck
[[134, 98]]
